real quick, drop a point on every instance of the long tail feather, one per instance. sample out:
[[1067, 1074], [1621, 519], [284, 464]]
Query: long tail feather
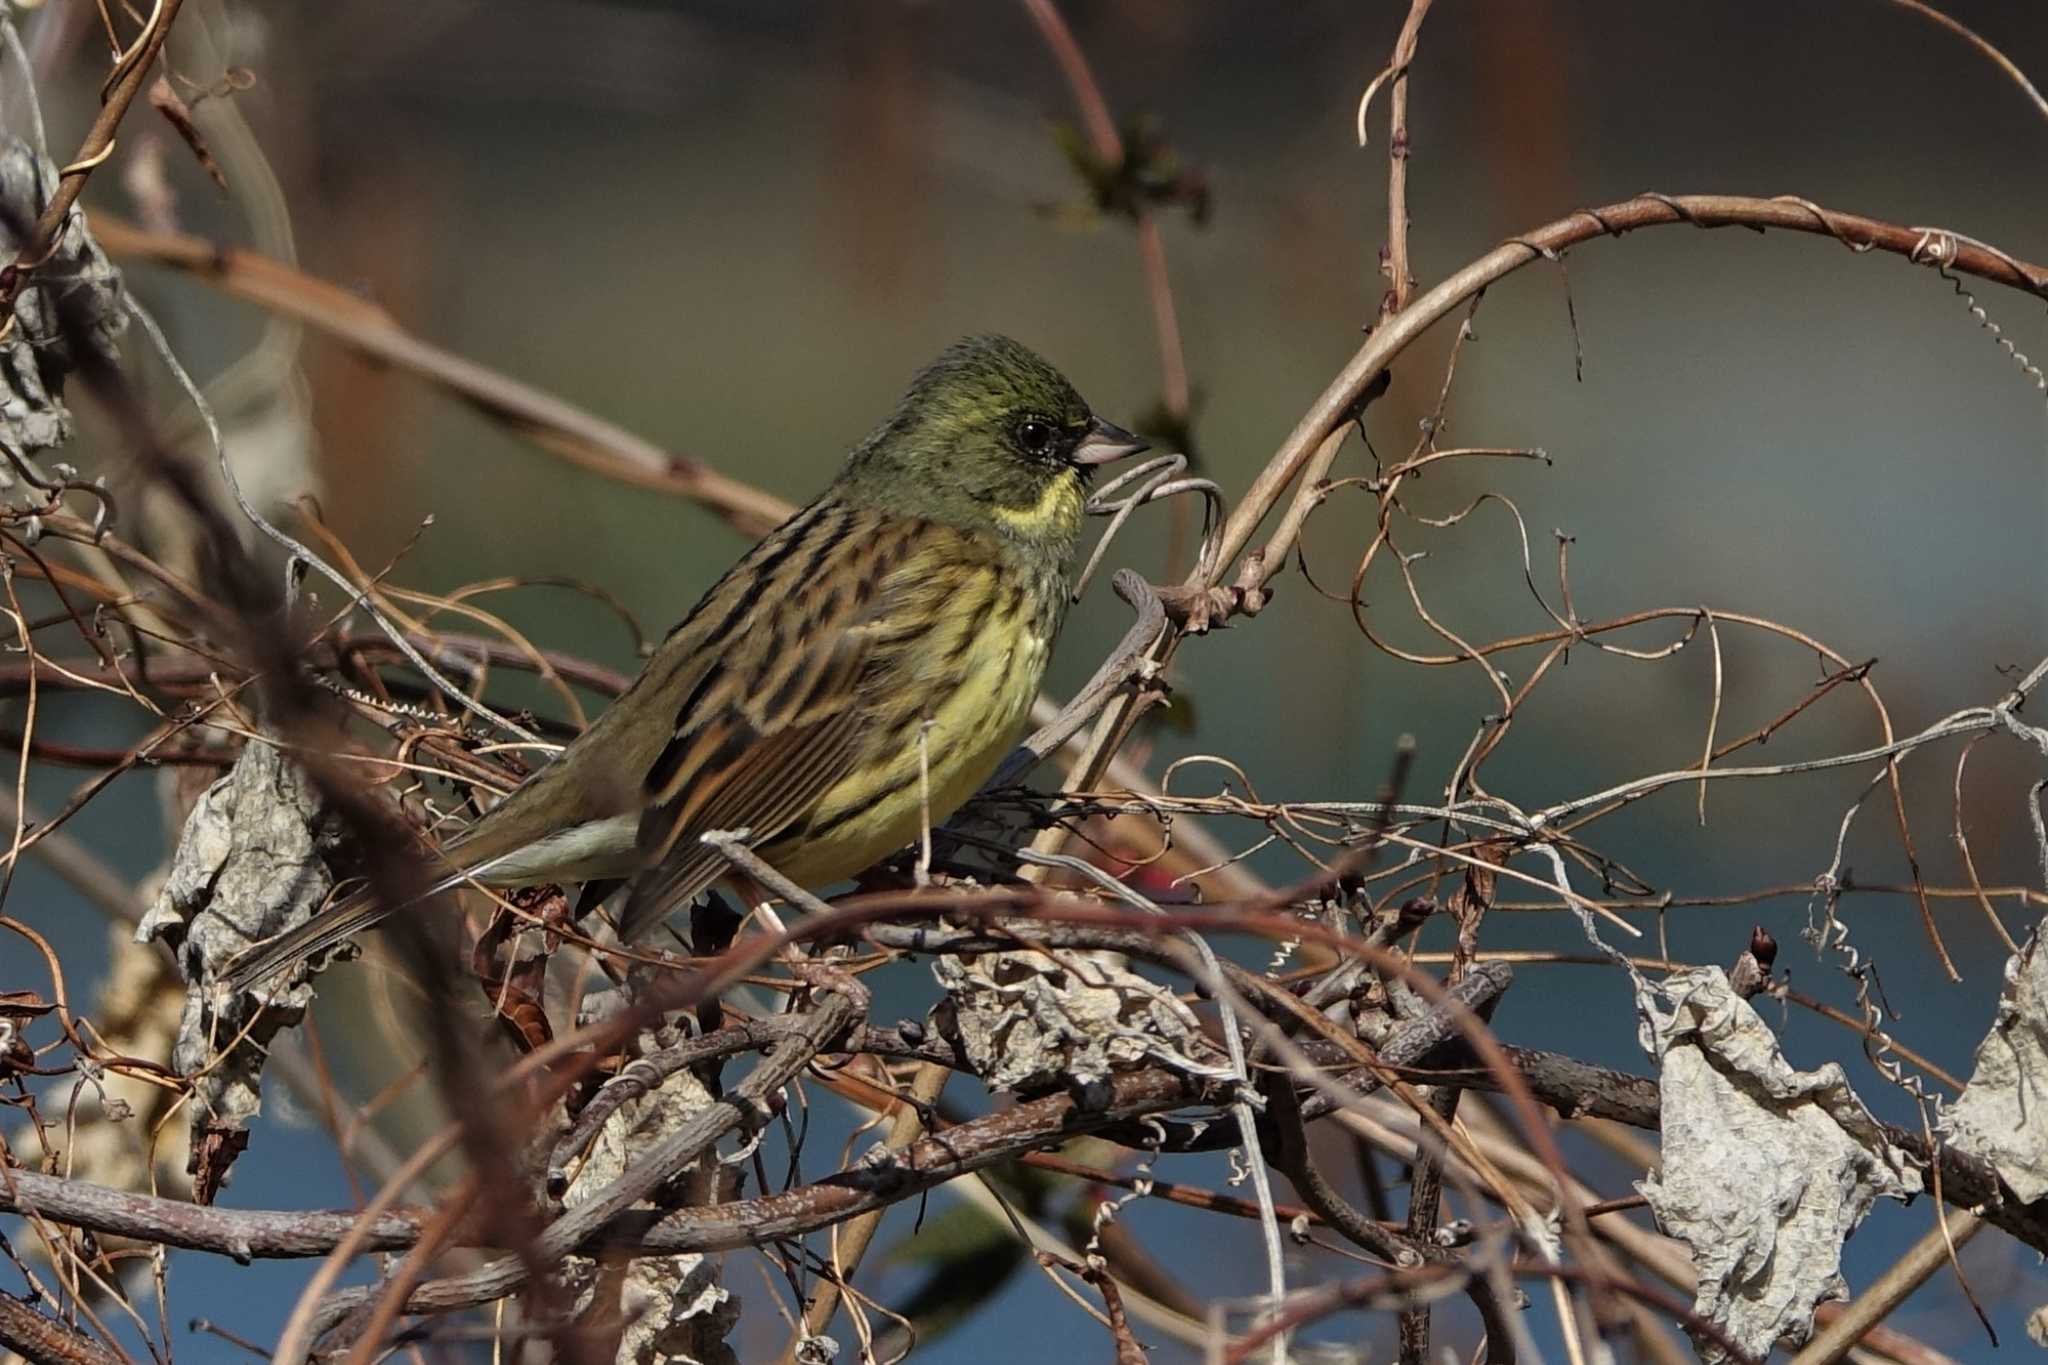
[[287, 950], [351, 916]]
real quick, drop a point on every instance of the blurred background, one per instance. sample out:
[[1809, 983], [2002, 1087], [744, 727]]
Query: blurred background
[[737, 228]]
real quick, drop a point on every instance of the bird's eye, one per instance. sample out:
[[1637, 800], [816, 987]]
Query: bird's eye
[[1035, 437]]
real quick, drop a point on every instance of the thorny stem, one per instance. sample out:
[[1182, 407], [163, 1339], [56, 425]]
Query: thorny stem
[[2004, 63], [1309, 450], [1922, 246], [1426, 1175], [1570, 1087], [1211, 976]]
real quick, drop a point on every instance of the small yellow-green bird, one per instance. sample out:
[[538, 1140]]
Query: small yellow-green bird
[[926, 584]]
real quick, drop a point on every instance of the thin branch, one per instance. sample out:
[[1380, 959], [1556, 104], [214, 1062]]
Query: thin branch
[[1876, 1303], [2004, 63], [745, 1104], [555, 425], [1109, 150], [1400, 280]]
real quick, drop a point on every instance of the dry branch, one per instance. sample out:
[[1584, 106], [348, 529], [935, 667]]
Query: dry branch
[[558, 426]]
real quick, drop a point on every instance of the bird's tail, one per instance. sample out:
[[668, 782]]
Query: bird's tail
[[351, 915], [512, 824], [258, 963]]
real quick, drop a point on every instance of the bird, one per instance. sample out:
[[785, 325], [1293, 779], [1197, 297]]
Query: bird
[[862, 669]]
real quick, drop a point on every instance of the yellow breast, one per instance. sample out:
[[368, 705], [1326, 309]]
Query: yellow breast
[[972, 719]]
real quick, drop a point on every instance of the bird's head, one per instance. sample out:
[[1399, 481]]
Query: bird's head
[[991, 437]]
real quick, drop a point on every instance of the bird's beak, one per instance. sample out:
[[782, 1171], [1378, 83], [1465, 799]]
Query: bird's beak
[[1106, 442]]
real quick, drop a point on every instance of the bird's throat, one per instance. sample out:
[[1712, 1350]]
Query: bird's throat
[[1055, 515]]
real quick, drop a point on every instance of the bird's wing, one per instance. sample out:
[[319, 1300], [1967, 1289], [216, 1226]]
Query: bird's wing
[[781, 720], [778, 666], [722, 642]]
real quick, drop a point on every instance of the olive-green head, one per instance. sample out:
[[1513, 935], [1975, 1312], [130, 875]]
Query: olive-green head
[[989, 436]]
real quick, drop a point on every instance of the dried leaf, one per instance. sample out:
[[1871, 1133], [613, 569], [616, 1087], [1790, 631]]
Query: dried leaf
[[1766, 1169], [515, 990], [1029, 1020], [2002, 1115], [252, 860], [23, 1005], [35, 356]]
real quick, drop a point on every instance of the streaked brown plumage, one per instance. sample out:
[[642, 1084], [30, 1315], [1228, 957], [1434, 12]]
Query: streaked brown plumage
[[926, 585]]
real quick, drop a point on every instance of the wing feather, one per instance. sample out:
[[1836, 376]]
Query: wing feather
[[761, 760]]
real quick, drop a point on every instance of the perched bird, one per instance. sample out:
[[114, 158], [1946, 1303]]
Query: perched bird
[[925, 585]]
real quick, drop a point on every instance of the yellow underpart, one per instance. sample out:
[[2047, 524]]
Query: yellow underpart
[[973, 727]]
